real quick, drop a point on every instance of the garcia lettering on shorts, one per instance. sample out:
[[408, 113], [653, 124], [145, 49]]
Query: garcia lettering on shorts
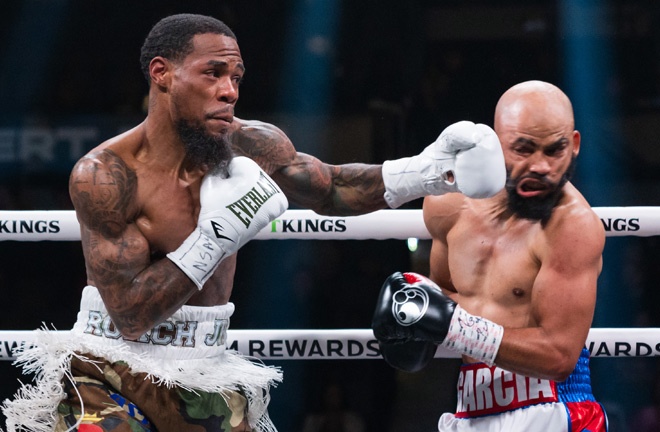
[[484, 390]]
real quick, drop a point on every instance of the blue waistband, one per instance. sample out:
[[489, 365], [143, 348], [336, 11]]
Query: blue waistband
[[577, 387]]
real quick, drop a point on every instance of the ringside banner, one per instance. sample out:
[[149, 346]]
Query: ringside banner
[[354, 344], [62, 225]]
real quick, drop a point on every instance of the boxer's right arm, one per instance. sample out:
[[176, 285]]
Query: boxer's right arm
[[137, 292], [412, 308]]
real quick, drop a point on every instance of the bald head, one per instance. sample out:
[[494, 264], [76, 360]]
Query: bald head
[[533, 107]]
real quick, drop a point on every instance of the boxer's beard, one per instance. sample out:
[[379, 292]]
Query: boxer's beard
[[202, 148], [538, 208]]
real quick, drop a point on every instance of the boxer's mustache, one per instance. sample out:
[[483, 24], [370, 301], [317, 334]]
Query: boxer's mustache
[[511, 183], [224, 112]]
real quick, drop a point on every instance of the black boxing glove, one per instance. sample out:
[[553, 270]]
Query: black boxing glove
[[412, 307], [411, 356]]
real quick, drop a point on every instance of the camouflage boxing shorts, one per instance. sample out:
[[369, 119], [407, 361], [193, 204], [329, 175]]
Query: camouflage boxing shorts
[[141, 384], [115, 399]]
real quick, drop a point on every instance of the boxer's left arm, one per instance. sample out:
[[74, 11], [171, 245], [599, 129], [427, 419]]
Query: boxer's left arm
[[345, 190], [563, 302], [334, 190], [468, 153]]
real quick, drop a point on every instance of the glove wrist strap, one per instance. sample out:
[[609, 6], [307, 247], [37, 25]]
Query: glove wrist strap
[[198, 257], [473, 336], [410, 178], [402, 181]]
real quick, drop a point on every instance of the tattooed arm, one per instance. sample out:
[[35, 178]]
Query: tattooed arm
[[349, 189], [137, 292]]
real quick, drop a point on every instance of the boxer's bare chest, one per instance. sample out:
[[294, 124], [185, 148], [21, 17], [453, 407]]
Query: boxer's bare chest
[[168, 214], [494, 265], [167, 211]]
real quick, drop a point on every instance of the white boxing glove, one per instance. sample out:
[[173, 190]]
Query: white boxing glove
[[471, 152], [233, 210]]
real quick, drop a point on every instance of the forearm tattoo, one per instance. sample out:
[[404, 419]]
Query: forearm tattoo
[[348, 189]]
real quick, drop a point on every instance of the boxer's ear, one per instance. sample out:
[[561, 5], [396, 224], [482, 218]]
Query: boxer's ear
[[160, 71], [576, 143]]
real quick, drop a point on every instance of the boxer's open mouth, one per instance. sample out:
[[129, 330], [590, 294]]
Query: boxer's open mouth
[[531, 187]]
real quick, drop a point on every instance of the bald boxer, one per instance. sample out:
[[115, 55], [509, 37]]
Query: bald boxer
[[512, 283], [163, 209]]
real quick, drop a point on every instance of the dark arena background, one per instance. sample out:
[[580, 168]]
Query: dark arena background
[[348, 81]]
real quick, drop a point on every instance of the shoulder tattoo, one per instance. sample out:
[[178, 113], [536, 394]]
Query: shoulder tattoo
[[102, 188]]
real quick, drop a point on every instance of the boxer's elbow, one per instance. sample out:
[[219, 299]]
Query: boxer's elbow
[[131, 332], [126, 327], [560, 366], [560, 372]]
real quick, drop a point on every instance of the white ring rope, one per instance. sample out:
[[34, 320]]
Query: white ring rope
[[62, 225], [350, 344]]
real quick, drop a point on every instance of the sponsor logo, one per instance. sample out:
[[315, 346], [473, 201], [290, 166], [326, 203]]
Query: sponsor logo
[[308, 225], [409, 305], [621, 224], [218, 230], [331, 348], [247, 206], [623, 349], [29, 226]]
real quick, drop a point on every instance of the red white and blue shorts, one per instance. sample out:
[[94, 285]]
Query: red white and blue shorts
[[491, 399]]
